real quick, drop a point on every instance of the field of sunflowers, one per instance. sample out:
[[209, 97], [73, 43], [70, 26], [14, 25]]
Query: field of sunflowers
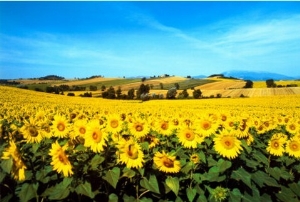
[[63, 148]]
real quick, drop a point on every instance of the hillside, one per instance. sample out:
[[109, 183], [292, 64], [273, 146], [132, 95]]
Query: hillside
[[210, 87]]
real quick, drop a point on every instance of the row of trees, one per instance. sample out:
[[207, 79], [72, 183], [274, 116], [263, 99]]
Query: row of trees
[[271, 84], [143, 93]]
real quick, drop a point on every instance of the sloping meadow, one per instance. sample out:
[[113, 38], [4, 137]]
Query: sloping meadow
[[55, 147]]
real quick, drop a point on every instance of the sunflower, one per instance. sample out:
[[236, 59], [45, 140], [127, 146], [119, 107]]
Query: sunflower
[[166, 163], [60, 161], [131, 153], [292, 127], [31, 131], [227, 144], [18, 168], [293, 147], [151, 139], [40, 115], [220, 193], [243, 131], [275, 145], [79, 129], [60, 126], [188, 138], [95, 136], [138, 127], [195, 158], [114, 123], [164, 127], [206, 125]]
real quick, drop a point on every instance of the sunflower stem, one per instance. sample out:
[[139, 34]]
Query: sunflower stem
[[143, 194]]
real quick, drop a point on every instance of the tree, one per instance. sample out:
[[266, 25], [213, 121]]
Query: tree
[[183, 94], [249, 84], [109, 93], [176, 86], [161, 85], [270, 83], [171, 94], [93, 88], [144, 89], [143, 79], [130, 93], [119, 92], [197, 93], [103, 88]]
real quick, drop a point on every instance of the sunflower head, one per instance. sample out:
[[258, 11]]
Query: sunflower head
[[293, 147], [220, 193], [130, 153], [276, 143], [227, 144], [60, 161], [166, 163], [195, 158]]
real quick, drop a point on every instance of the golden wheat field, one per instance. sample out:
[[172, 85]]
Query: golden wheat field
[[55, 147]]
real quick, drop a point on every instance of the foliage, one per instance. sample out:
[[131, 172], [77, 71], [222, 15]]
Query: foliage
[[172, 92], [197, 93], [262, 167], [249, 84], [270, 83], [143, 90], [183, 94], [130, 93]]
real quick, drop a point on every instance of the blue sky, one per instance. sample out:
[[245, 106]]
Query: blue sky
[[116, 39]]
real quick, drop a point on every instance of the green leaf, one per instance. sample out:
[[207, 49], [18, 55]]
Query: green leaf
[[271, 182], [211, 162], [113, 198], [186, 169], [202, 157], [263, 178], [141, 171], [173, 184], [80, 148], [201, 198], [261, 157], [127, 198], [191, 193], [150, 184], [251, 164], [112, 176], [242, 174], [275, 172], [287, 195], [235, 195], [223, 165], [127, 172], [278, 173], [257, 177], [295, 188], [28, 191], [85, 189], [59, 191], [197, 177], [96, 161], [6, 165], [145, 146], [247, 148], [144, 199]]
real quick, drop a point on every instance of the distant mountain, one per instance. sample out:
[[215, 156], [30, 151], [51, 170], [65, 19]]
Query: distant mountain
[[256, 76]]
